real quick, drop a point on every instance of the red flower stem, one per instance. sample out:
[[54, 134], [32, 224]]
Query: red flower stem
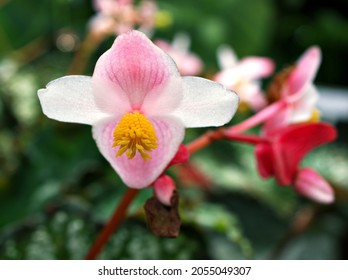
[[212, 136], [250, 139], [113, 223], [204, 140]]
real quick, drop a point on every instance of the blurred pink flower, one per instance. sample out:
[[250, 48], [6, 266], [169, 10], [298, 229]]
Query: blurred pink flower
[[298, 92], [282, 152], [110, 7], [297, 96], [120, 16], [188, 63], [138, 106], [147, 16], [243, 76]]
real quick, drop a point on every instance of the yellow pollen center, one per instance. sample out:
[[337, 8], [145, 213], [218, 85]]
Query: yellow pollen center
[[133, 133], [315, 117]]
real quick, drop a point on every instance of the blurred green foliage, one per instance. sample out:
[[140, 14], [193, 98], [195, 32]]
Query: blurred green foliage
[[56, 190]]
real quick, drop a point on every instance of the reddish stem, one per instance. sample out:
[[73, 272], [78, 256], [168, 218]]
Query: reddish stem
[[212, 136], [251, 139], [113, 223], [204, 140]]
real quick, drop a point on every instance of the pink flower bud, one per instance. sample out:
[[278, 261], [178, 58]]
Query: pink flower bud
[[310, 184], [164, 187]]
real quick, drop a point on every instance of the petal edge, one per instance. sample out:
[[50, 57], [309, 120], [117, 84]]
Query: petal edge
[[71, 99], [205, 103]]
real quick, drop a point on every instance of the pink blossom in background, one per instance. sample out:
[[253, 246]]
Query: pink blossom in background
[[138, 106], [243, 76], [120, 16], [297, 97], [188, 63], [113, 16], [298, 92], [283, 150], [111, 7], [147, 11]]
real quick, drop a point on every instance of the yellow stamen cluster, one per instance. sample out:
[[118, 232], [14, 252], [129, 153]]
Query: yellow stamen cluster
[[133, 133], [315, 117]]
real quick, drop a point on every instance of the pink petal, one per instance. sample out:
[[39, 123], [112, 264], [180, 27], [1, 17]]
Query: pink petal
[[164, 45], [310, 184], [270, 112], [141, 71], [304, 72], [277, 121], [264, 160], [137, 173], [205, 103], [164, 187], [256, 67], [252, 95], [283, 175], [110, 98], [188, 63], [71, 99], [292, 143]]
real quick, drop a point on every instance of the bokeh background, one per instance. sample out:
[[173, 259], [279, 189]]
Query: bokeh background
[[56, 190]]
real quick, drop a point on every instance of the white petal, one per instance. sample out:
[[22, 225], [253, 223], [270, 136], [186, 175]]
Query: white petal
[[227, 58], [70, 99], [205, 103], [302, 109]]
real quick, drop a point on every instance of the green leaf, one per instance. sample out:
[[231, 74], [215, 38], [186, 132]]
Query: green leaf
[[223, 223]]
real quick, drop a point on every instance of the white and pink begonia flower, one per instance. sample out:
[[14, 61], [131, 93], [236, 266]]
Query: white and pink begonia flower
[[138, 106], [243, 76], [187, 62], [298, 92], [284, 149]]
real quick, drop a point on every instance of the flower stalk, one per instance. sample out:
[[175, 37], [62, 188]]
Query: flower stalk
[[113, 223]]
